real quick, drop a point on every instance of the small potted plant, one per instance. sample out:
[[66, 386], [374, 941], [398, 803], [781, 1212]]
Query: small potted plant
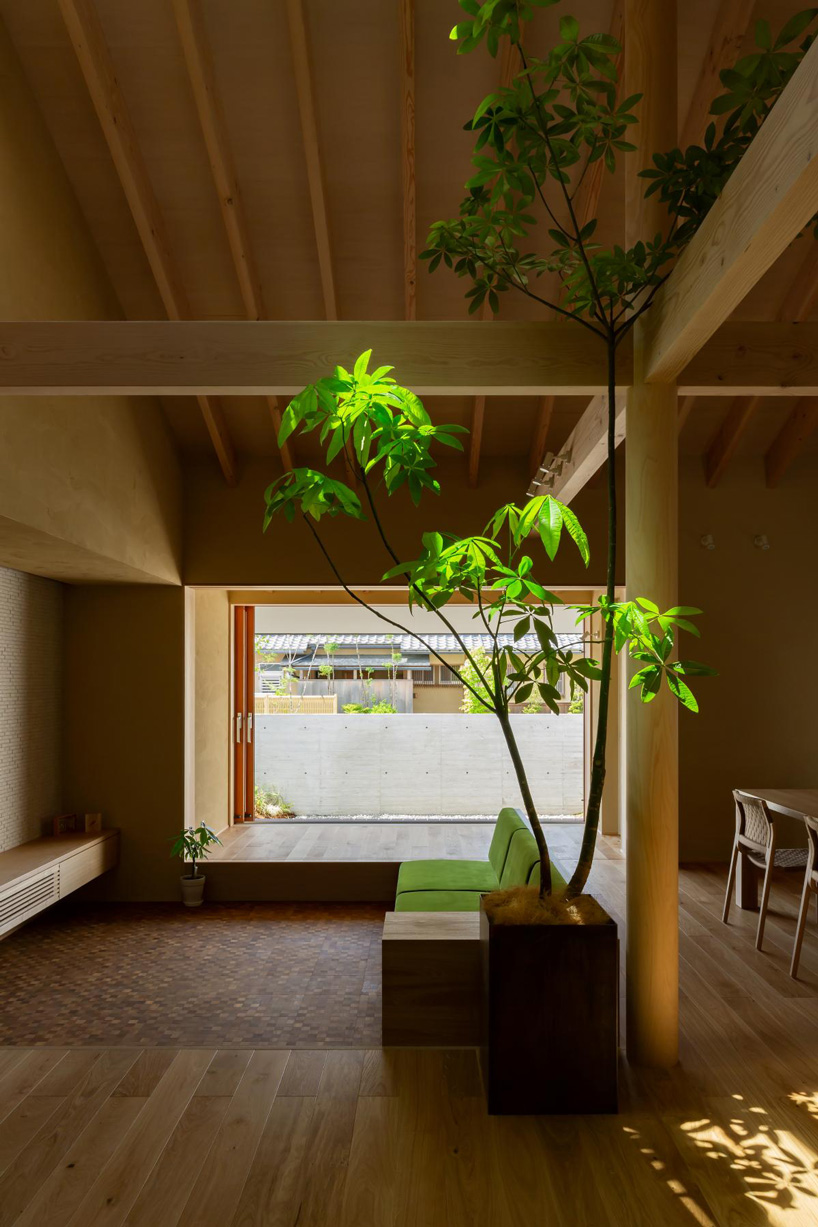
[[194, 844]]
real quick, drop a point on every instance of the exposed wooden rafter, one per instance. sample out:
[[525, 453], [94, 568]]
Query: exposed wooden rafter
[[539, 442], [86, 34], [791, 439], [312, 152], [769, 198], [435, 358], [590, 189], [730, 26], [193, 37], [478, 412], [407, 121], [728, 437]]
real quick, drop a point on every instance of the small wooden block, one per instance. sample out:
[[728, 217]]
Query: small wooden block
[[431, 978]]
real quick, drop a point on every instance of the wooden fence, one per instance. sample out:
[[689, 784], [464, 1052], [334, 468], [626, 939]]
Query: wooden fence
[[302, 705]]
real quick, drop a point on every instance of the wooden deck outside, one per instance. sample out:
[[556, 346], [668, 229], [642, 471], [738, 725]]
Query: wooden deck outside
[[352, 841]]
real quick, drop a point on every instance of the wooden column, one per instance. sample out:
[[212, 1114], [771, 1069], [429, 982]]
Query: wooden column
[[652, 770]]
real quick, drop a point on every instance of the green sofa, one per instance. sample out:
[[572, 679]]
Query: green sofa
[[456, 886]]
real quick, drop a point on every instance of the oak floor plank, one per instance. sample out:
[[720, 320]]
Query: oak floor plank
[[169, 1185], [224, 1073], [214, 1200], [58, 1198], [332, 1125], [276, 1183], [370, 1196], [147, 1072], [302, 1077], [341, 1075], [23, 1178], [68, 1074], [23, 1124], [10, 1057], [25, 1075], [110, 1198]]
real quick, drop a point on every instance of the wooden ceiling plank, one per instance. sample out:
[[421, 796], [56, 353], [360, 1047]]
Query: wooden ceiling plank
[[539, 442], [202, 77], [730, 26], [87, 37], [791, 440], [312, 151], [769, 198], [686, 404], [407, 116]]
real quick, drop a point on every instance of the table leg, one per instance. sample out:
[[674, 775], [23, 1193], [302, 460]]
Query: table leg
[[746, 883]]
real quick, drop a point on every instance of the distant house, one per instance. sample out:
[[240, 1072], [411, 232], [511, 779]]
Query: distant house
[[399, 669]]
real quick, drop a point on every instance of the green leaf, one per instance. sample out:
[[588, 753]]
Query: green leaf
[[361, 364], [683, 692], [549, 525], [576, 532], [569, 29]]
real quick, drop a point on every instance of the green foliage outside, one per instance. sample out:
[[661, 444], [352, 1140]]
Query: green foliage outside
[[269, 802], [476, 696], [533, 143], [374, 709]]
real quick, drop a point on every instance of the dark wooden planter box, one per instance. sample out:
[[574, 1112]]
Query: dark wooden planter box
[[550, 1018]]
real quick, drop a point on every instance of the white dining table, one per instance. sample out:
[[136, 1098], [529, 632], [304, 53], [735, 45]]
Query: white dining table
[[798, 803]]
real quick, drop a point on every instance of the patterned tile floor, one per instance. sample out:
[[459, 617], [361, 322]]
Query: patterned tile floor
[[274, 975]]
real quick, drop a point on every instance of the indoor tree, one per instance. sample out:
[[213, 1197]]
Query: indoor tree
[[534, 141]]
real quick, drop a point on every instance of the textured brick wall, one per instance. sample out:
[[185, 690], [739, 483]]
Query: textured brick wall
[[30, 704]]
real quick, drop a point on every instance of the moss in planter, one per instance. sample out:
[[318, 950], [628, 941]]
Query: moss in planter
[[521, 905]]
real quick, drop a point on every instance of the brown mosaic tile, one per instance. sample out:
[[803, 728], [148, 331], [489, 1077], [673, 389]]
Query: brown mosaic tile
[[267, 975]]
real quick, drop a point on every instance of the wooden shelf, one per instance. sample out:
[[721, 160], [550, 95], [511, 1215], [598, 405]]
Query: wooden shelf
[[36, 874]]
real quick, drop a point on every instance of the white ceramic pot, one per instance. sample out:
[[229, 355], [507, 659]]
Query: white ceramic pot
[[193, 890]]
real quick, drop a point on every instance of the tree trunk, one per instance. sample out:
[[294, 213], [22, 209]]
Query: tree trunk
[[597, 784], [528, 801]]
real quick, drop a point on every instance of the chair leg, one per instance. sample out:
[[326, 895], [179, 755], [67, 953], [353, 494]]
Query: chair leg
[[731, 877], [799, 928], [765, 897]]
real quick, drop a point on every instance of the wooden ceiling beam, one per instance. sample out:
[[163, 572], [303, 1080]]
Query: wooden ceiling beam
[[584, 451], [769, 198], [87, 37], [407, 127], [539, 442], [202, 77], [730, 25], [312, 152], [435, 358], [791, 439]]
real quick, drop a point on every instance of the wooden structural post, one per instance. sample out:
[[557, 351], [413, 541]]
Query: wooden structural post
[[652, 770]]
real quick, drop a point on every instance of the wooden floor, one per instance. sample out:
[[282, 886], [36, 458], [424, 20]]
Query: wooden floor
[[348, 841], [399, 1138]]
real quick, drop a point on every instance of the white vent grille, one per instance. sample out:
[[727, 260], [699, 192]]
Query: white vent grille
[[26, 900]]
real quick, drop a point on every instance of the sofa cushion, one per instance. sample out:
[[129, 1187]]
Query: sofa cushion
[[446, 875], [438, 901], [557, 880], [508, 821], [521, 859]]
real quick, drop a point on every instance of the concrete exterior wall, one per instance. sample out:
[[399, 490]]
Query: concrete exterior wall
[[31, 616], [434, 764]]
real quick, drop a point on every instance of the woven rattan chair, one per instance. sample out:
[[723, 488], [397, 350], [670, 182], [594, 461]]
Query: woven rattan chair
[[755, 841], [810, 888]]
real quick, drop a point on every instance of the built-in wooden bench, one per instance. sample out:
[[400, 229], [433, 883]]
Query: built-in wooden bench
[[39, 873], [431, 978]]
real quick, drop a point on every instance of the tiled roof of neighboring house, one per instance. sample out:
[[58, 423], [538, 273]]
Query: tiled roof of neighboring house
[[417, 660], [300, 644]]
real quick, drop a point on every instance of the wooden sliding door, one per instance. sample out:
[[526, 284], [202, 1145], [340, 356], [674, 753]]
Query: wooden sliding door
[[244, 657]]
